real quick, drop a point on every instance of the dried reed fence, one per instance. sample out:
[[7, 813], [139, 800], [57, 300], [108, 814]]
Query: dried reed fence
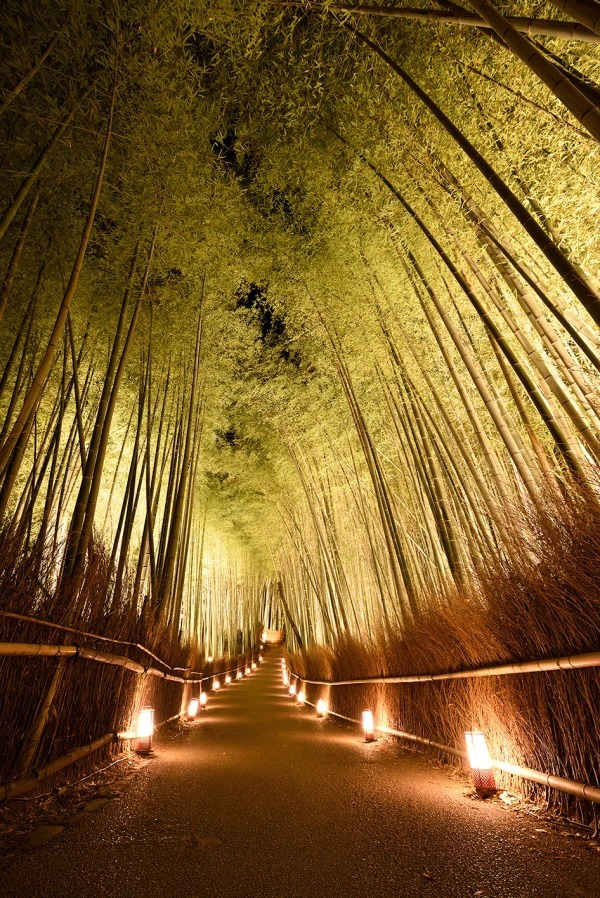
[[156, 688], [63, 696], [520, 710]]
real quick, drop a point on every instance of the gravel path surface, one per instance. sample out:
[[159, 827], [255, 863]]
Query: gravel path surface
[[261, 800]]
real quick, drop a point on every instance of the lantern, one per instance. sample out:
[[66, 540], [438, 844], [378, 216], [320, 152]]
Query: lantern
[[301, 697], [368, 726], [193, 708], [227, 679], [292, 689], [260, 659], [247, 671], [239, 675], [321, 708], [286, 679], [216, 683], [202, 701], [283, 662], [480, 762], [145, 729], [254, 665]]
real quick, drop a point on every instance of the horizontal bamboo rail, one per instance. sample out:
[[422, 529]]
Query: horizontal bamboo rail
[[21, 787], [567, 662], [560, 783], [28, 650], [46, 623], [35, 650], [28, 784]]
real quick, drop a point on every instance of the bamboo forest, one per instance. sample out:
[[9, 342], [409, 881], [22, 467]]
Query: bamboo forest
[[300, 341]]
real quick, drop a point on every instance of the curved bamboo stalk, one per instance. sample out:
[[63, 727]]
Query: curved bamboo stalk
[[562, 265]]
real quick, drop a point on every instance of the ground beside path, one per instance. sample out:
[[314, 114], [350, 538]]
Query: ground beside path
[[261, 800]]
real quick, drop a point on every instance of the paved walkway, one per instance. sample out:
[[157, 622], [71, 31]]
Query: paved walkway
[[262, 800]]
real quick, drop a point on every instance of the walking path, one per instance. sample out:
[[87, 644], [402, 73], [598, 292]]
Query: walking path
[[262, 800]]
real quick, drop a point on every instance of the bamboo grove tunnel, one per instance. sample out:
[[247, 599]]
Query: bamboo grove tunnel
[[299, 419]]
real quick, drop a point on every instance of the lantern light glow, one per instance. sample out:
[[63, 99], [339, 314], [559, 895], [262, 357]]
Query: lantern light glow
[[301, 697], [321, 708], [247, 671], [292, 689], [227, 679], [238, 675], [193, 708], [254, 665], [216, 683], [480, 762], [260, 659], [286, 679], [368, 726], [145, 729], [203, 700]]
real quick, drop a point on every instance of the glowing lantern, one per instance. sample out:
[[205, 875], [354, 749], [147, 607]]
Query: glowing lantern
[[301, 697], [239, 675], [202, 701], [260, 659], [368, 726], [292, 689], [286, 679], [254, 665], [193, 708], [261, 646], [216, 683], [145, 729], [227, 679], [480, 762], [283, 662], [321, 708], [247, 671]]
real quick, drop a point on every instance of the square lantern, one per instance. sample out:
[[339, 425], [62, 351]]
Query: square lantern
[[301, 697], [227, 679], [202, 701], [480, 763], [216, 683], [292, 689], [193, 708], [321, 708], [145, 730], [368, 726]]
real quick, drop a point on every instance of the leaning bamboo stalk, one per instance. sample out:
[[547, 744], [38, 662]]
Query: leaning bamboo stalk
[[35, 734], [559, 261], [21, 787], [34, 393], [587, 13], [524, 24], [16, 256], [34, 173], [31, 73]]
